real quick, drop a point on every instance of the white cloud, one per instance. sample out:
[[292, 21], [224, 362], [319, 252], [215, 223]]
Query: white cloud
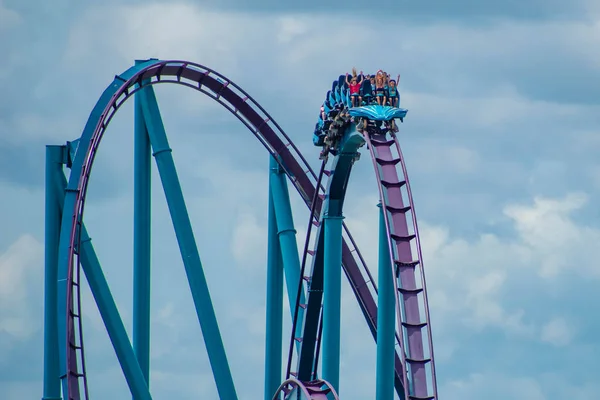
[[291, 28], [458, 159], [557, 332], [168, 31], [21, 268], [18, 390], [249, 241], [8, 18], [493, 387], [560, 245], [469, 280], [498, 386], [35, 127]]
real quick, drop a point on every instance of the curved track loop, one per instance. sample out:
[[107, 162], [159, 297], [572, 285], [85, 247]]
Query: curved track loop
[[251, 114], [411, 298], [313, 390]]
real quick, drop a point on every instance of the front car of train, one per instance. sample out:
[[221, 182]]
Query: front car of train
[[375, 115]]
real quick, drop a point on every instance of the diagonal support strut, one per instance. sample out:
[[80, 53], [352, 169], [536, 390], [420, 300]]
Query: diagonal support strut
[[187, 245]]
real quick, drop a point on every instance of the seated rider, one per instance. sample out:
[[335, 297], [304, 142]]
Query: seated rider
[[373, 92], [367, 89], [380, 89], [354, 86], [393, 94]]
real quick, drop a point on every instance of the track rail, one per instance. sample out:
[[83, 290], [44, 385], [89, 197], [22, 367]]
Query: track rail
[[336, 191], [251, 114], [412, 364], [312, 221], [314, 390], [411, 298]]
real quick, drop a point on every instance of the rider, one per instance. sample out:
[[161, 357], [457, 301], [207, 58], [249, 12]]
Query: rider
[[393, 94], [354, 86], [380, 89]]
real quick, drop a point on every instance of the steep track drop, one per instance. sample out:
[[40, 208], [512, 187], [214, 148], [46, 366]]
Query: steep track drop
[[411, 297], [414, 364]]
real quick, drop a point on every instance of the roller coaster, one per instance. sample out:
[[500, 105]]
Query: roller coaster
[[395, 309]]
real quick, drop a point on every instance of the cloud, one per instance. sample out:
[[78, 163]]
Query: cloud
[[557, 332], [20, 268], [8, 18], [217, 37], [494, 386], [466, 11], [471, 280], [249, 238], [562, 245]]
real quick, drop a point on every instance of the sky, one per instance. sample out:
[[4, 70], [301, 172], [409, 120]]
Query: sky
[[501, 143]]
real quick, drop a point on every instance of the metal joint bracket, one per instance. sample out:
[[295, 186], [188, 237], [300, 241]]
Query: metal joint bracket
[[277, 168], [327, 216], [157, 152], [286, 230]]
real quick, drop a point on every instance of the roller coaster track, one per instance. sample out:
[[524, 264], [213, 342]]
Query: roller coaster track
[[399, 240], [73, 235], [313, 390], [399, 214]]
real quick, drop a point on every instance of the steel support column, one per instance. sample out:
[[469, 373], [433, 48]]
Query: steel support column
[[105, 302], [53, 215], [274, 306], [332, 292], [112, 320], [187, 246], [386, 317], [287, 239], [141, 239]]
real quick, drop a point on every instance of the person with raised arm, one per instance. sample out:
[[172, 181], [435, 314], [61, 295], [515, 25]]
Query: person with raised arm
[[393, 94], [380, 91], [354, 84]]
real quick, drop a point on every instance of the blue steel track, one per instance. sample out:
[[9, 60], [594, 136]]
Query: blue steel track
[[316, 324]]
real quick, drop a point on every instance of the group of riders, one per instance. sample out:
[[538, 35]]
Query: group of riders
[[378, 89], [364, 90]]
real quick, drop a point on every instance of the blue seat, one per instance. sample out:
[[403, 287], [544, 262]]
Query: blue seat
[[342, 82], [331, 99], [318, 140], [338, 97]]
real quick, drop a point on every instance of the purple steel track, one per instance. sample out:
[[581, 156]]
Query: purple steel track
[[311, 390], [405, 265], [267, 131]]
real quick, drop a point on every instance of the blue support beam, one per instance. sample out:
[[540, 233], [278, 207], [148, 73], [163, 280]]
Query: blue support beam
[[112, 320], [141, 239], [105, 302], [287, 239], [274, 306], [187, 245], [326, 273], [386, 317], [53, 214], [332, 293]]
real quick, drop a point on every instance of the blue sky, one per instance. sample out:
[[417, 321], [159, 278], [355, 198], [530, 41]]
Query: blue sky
[[501, 143]]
